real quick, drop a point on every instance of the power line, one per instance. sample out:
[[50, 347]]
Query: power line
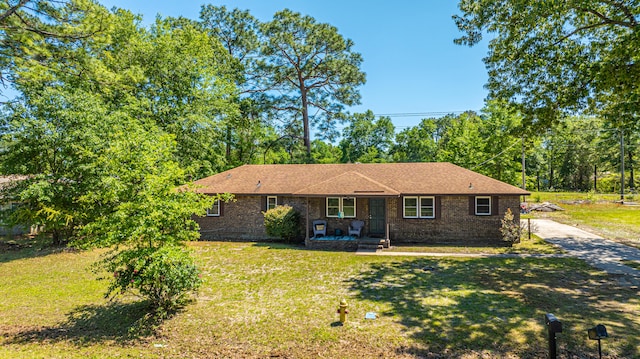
[[420, 114], [499, 154]]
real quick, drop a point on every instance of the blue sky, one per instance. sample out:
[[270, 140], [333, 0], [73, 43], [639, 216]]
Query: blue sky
[[411, 62]]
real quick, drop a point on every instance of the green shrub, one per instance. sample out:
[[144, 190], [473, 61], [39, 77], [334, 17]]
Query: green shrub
[[282, 222], [611, 183], [510, 229], [165, 276]]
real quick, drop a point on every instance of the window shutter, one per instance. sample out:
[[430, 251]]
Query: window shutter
[[323, 207], [438, 203], [221, 207], [400, 207], [472, 205], [495, 204], [263, 204]]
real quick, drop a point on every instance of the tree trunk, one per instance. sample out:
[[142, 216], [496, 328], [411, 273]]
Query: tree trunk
[[305, 117], [228, 145], [56, 237], [631, 175]]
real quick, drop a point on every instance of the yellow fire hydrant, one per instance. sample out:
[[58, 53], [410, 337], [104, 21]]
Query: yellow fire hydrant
[[342, 310]]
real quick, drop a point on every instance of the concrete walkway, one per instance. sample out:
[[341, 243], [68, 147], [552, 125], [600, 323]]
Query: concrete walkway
[[599, 252], [373, 252]]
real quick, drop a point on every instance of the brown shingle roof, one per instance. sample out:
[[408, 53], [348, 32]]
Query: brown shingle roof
[[366, 180]]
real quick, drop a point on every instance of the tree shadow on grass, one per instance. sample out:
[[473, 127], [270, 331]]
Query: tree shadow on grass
[[87, 324], [23, 247], [495, 306], [279, 245]]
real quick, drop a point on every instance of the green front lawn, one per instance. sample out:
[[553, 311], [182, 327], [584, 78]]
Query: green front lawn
[[262, 301], [559, 197]]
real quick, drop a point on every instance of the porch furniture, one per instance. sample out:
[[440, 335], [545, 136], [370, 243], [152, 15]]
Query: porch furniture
[[319, 228], [355, 228]]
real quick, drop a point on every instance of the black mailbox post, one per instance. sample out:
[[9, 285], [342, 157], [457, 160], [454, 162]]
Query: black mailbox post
[[596, 333], [553, 326]]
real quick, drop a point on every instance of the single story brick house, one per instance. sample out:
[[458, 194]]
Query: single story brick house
[[402, 202]]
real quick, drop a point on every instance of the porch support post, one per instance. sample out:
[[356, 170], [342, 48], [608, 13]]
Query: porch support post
[[306, 233], [387, 240], [386, 219]]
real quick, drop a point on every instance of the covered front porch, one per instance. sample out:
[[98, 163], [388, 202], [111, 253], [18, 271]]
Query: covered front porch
[[343, 200], [324, 231]]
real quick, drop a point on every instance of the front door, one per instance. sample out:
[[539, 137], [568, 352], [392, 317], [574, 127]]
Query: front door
[[376, 216]]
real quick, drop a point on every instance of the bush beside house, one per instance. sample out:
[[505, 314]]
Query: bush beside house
[[282, 222]]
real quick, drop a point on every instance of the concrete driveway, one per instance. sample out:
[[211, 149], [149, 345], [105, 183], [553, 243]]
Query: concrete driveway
[[599, 252]]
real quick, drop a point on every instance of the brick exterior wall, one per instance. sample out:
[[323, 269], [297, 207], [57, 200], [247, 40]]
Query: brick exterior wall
[[455, 223], [243, 220]]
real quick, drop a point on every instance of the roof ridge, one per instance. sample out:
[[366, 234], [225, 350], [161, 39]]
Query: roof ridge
[[320, 183], [376, 182], [345, 174]]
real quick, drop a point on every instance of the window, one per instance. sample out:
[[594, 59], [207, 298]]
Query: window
[[411, 207], [272, 202], [419, 207], [214, 211], [427, 207], [333, 206], [341, 207], [349, 207], [483, 206]]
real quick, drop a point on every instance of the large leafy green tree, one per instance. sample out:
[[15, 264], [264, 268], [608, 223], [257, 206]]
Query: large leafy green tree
[[489, 143], [175, 76], [367, 139], [313, 73], [44, 128], [503, 143], [106, 127], [608, 151], [554, 58], [103, 178], [139, 213], [238, 32], [189, 91], [571, 148], [323, 152], [417, 143], [52, 139], [172, 74], [461, 141], [38, 34]]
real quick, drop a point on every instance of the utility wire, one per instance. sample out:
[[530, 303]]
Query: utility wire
[[503, 151], [420, 114]]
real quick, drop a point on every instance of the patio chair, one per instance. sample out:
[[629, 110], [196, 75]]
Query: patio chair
[[319, 228], [355, 228]]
